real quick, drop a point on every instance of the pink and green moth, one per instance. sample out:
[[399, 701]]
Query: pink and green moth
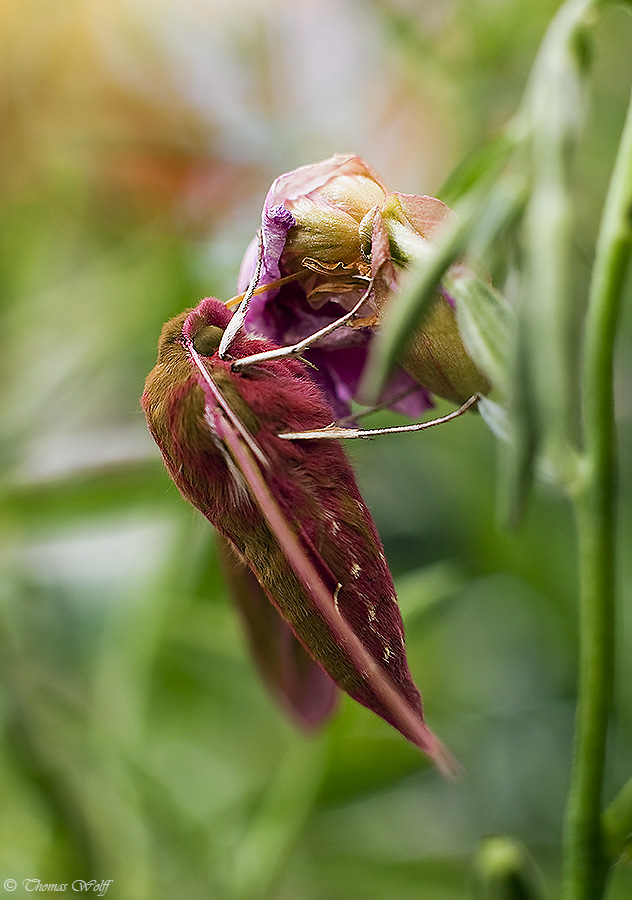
[[242, 430]]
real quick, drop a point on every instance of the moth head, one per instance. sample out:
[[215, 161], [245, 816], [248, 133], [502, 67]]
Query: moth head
[[205, 325], [206, 340]]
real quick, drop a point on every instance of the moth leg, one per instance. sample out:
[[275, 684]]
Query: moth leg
[[296, 349], [349, 420], [336, 433]]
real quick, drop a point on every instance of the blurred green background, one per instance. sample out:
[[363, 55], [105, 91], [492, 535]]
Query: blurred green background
[[137, 142]]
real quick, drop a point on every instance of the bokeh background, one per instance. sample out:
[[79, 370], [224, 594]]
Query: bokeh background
[[137, 141]]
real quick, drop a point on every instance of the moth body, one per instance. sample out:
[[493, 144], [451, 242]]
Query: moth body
[[188, 411]]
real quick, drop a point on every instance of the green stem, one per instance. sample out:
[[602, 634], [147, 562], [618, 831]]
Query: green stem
[[594, 501]]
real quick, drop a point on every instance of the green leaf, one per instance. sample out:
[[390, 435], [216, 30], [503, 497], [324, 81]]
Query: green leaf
[[485, 321], [617, 824], [482, 165]]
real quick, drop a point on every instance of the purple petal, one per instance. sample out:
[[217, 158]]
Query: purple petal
[[306, 179], [275, 224], [339, 372]]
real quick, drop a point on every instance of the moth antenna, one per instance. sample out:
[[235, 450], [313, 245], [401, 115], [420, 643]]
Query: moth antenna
[[335, 433], [237, 321], [296, 349]]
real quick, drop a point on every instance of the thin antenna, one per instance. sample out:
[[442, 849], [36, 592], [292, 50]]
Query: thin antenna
[[237, 321], [269, 286]]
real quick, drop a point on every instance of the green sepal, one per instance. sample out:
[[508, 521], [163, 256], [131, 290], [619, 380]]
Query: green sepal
[[436, 358]]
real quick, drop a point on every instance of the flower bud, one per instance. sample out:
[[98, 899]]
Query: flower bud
[[327, 219], [335, 228]]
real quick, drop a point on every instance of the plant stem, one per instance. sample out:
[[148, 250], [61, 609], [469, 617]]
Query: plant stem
[[595, 511]]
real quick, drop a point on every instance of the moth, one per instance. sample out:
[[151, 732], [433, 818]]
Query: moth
[[244, 433]]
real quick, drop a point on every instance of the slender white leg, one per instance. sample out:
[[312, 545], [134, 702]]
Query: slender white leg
[[334, 432], [296, 349]]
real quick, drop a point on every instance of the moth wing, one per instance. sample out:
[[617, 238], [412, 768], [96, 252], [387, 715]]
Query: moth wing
[[343, 654], [300, 684], [313, 574]]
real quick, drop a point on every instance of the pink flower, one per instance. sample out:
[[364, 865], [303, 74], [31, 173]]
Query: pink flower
[[333, 226]]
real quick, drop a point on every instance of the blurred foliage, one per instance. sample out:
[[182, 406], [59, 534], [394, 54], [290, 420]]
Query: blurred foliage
[[136, 744]]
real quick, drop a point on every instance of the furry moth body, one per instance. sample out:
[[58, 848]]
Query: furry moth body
[[218, 429]]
